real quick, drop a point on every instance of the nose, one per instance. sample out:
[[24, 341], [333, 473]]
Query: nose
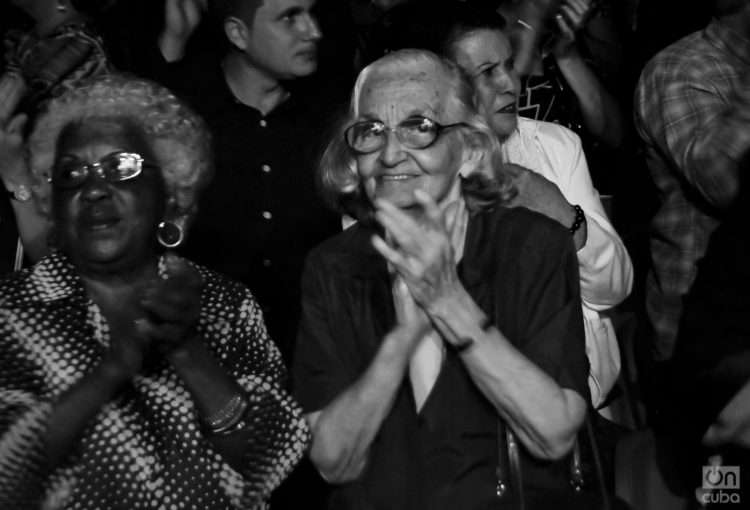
[[95, 188], [311, 29], [392, 152], [505, 80]]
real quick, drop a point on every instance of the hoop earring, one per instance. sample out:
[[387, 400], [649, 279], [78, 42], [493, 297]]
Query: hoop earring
[[170, 234]]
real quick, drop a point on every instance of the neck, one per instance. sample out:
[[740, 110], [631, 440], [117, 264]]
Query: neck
[[113, 278], [251, 86]]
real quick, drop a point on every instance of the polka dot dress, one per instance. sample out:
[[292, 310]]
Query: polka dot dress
[[144, 449]]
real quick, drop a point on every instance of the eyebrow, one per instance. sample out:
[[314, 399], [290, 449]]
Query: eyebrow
[[291, 11]]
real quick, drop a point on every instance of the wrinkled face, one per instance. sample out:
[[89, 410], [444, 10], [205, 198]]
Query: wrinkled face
[[283, 39], [105, 225], [486, 56], [395, 171]]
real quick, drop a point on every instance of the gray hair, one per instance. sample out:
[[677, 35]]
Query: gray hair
[[488, 184], [179, 138]]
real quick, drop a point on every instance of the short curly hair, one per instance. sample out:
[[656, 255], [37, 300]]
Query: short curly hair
[[488, 184], [179, 138]]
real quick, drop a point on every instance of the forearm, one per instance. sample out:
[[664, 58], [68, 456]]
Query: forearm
[[543, 415], [605, 268], [527, 30], [75, 409], [344, 430], [33, 229], [211, 388], [601, 114]]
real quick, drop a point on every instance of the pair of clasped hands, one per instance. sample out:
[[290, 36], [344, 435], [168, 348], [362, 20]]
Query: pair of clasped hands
[[418, 248], [159, 321]]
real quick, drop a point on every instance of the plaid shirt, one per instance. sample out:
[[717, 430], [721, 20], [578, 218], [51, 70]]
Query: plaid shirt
[[692, 111]]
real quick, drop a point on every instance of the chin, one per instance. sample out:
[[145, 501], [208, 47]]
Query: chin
[[504, 126]]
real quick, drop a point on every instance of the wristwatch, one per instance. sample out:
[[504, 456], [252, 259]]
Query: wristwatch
[[20, 193]]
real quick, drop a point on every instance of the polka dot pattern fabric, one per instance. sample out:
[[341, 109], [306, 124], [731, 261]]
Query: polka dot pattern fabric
[[145, 448]]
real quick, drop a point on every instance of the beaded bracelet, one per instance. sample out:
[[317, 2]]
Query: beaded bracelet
[[578, 221]]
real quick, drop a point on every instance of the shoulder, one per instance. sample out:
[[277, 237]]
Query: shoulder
[[15, 288], [351, 243], [688, 60], [552, 136], [521, 233]]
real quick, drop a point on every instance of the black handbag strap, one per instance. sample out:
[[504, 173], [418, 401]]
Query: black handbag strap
[[509, 472]]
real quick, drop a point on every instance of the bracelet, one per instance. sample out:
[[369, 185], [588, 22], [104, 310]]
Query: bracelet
[[226, 418], [579, 220], [467, 342], [525, 25]]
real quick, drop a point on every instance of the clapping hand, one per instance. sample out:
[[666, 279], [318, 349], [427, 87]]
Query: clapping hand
[[420, 250], [172, 306]]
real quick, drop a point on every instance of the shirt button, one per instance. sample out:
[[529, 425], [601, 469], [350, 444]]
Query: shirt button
[[267, 215], [265, 168], [266, 263], [263, 123]]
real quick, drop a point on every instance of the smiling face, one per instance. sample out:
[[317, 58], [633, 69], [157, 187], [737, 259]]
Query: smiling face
[[106, 226], [394, 172], [486, 56], [282, 40]]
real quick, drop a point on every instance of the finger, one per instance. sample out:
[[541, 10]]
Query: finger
[[395, 257], [163, 335], [565, 30], [16, 124], [178, 269], [584, 6], [404, 230], [430, 207], [170, 306], [577, 7], [574, 20], [451, 217]]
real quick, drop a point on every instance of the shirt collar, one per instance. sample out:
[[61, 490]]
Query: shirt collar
[[728, 40]]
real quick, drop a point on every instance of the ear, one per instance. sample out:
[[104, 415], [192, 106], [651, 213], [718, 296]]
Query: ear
[[175, 212], [237, 32], [172, 229], [474, 154]]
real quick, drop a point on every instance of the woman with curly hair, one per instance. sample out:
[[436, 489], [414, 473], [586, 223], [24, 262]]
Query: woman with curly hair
[[129, 377]]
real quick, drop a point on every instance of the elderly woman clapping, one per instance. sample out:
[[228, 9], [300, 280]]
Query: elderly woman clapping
[[441, 314], [131, 378]]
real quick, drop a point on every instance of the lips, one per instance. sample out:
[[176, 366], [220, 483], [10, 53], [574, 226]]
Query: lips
[[396, 177], [98, 219], [509, 108], [309, 53]]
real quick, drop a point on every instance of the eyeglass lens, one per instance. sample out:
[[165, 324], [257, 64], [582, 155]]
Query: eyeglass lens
[[113, 168]]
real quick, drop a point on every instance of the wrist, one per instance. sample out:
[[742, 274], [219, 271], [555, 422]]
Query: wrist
[[185, 353], [110, 375]]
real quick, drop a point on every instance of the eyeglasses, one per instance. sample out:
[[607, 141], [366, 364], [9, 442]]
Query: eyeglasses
[[414, 133], [115, 167]]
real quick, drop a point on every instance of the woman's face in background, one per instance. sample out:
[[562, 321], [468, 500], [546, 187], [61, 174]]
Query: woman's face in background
[[395, 171], [101, 224], [487, 57]]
